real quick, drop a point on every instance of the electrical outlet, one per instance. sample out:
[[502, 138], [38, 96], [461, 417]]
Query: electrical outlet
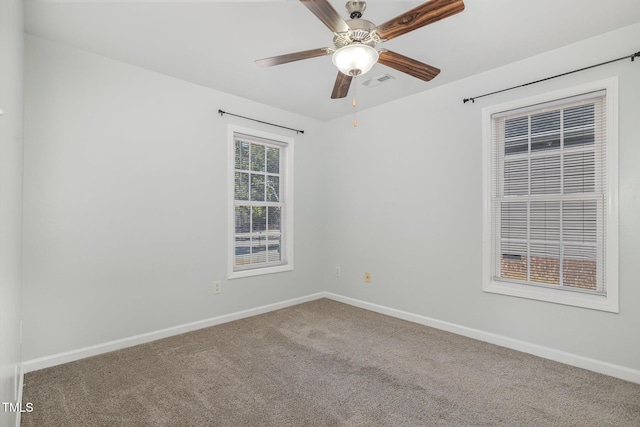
[[367, 277], [217, 287], [337, 271]]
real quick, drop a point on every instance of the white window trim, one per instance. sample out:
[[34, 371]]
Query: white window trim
[[610, 302], [286, 193]]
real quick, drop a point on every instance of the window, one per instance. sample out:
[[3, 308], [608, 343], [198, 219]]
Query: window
[[261, 207], [550, 189]]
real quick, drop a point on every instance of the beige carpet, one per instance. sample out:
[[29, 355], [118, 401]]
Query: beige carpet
[[324, 363]]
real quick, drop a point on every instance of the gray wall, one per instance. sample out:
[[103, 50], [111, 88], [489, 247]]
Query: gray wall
[[11, 58], [406, 205], [125, 202]]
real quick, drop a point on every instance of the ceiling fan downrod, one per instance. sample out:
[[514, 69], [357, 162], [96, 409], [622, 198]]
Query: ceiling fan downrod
[[355, 8]]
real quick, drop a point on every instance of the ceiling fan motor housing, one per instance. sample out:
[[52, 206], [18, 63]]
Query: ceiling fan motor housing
[[361, 31]]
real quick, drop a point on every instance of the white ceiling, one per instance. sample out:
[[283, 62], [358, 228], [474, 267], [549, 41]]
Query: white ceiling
[[214, 43]]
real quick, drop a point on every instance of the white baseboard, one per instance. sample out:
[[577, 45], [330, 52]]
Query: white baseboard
[[594, 365], [624, 373], [94, 350]]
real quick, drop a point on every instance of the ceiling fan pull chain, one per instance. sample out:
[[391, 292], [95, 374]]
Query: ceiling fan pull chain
[[354, 102]]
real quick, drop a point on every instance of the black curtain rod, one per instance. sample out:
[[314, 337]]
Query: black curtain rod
[[632, 57], [222, 113]]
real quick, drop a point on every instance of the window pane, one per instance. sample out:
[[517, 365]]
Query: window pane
[[516, 177], [516, 135], [545, 221], [242, 155], [579, 267], [273, 189], [273, 160], [513, 261], [257, 187], [242, 250], [579, 221], [579, 172], [514, 220], [545, 175], [257, 158], [274, 218], [545, 131], [273, 247], [258, 249], [273, 253], [258, 219], [243, 219], [545, 263], [241, 191], [579, 125]]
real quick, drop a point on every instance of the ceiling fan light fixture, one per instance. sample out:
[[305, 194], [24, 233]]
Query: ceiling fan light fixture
[[355, 59]]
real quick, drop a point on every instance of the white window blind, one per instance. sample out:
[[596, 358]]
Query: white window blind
[[549, 195]]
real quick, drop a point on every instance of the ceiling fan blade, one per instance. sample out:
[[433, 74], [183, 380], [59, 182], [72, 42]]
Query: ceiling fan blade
[[407, 65], [426, 13], [290, 57], [341, 88], [327, 14]]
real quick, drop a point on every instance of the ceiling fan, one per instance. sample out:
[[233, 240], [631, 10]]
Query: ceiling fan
[[354, 41]]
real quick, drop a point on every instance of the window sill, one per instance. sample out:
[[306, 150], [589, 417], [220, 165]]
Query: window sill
[[260, 271], [577, 299]]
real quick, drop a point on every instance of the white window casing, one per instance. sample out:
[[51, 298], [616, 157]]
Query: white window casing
[[550, 194], [260, 203]]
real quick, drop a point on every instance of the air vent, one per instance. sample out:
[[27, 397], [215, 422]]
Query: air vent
[[377, 81]]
